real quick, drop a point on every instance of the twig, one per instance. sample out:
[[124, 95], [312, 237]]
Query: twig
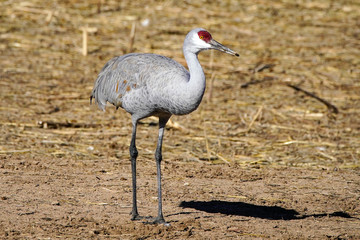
[[262, 66], [211, 85], [85, 31], [221, 157], [207, 144], [132, 36], [211, 66], [256, 81], [84, 46], [33, 10], [56, 125], [255, 117], [327, 156], [330, 106], [153, 121], [99, 5], [15, 151], [49, 13], [49, 17]]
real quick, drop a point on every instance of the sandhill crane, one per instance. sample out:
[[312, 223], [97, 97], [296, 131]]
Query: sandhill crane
[[153, 85]]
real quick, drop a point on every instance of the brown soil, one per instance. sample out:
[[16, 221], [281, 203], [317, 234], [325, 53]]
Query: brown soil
[[256, 162]]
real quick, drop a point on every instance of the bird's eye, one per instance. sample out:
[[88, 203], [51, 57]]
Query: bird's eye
[[204, 35]]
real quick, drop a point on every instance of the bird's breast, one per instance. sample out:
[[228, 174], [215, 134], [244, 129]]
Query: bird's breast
[[170, 99]]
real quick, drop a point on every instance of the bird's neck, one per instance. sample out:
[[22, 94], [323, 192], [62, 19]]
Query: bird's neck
[[196, 84], [195, 69]]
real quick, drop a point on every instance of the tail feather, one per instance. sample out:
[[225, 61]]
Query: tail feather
[[111, 83], [98, 99]]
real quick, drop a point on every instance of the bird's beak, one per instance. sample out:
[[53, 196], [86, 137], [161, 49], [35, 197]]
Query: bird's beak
[[218, 46]]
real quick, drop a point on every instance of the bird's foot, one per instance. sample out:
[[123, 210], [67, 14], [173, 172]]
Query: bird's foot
[[160, 220], [157, 222], [136, 217], [149, 220]]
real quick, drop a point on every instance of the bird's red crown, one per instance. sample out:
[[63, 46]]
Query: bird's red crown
[[205, 36]]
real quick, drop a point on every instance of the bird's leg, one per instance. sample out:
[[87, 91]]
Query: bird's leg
[[133, 156], [158, 157]]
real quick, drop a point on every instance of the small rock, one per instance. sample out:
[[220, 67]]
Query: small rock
[[56, 203]]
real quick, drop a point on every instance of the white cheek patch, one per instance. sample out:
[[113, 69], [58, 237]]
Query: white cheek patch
[[200, 43]]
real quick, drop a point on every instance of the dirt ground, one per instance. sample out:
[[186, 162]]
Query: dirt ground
[[261, 158]]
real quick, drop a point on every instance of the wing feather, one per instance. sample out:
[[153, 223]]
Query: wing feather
[[122, 74]]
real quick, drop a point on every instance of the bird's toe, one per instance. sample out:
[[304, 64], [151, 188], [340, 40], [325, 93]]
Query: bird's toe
[[161, 221], [136, 217]]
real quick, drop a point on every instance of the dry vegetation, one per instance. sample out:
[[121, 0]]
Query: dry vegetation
[[252, 116]]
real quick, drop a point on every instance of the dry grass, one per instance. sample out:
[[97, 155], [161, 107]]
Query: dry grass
[[46, 81]]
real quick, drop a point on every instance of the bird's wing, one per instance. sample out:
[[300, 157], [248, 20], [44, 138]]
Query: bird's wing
[[122, 74], [113, 80]]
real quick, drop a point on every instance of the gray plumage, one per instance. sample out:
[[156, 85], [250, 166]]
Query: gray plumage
[[144, 84], [153, 85]]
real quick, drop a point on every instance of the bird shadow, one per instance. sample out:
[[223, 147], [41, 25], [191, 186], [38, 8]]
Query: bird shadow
[[252, 210]]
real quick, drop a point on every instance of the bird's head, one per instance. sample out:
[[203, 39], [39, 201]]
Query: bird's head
[[199, 39]]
